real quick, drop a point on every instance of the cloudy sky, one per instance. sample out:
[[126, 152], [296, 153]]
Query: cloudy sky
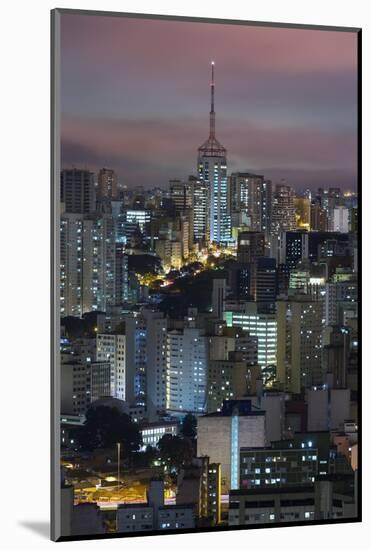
[[135, 97]]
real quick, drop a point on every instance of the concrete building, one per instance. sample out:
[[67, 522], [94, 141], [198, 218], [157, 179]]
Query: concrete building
[[218, 297], [154, 515], [259, 325], [156, 366], [250, 246], [107, 184], [340, 219], [328, 409], [111, 348], [283, 210], [299, 342], [87, 264], [77, 191], [271, 505], [226, 380], [277, 467], [186, 371], [200, 210], [220, 436]]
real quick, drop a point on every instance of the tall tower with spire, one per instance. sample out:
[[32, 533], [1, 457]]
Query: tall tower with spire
[[212, 170]]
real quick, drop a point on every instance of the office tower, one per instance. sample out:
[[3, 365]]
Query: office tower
[[77, 191], [220, 436], [283, 210], [218, 297], [138, 216], [111, 348], [212, 170], [258, 324], [293, 247], [250, 245], [299, 342], [136, 357], [107, 185], [246, 196], [186, 371], [200, 210], [340, 219], [302, 212]]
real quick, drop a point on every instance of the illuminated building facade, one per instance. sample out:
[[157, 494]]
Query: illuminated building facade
[[212, 170]]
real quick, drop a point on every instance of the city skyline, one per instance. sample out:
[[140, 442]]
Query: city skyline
[[291, 115]]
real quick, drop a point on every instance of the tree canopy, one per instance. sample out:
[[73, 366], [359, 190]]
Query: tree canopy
[[189, 426], [105, 427], [175, 451]]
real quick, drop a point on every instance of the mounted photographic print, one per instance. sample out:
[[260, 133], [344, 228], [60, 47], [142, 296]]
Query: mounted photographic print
[[205, 211]]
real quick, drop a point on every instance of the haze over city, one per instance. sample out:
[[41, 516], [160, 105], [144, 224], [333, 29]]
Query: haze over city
[[286, 99]]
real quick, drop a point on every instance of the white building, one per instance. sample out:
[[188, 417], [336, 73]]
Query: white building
[[340, 219], [186, 371], [111, 348], [152, 433]]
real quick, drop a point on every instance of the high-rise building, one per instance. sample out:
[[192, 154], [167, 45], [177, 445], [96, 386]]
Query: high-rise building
[[111, 348], [218, 297], [212, 170], [226, 380], [302, 212], [250, 245], [246, 196], [186, 371], [258, 324], [180, 194], [77, 191], [299, 342], [200, 210], [340, 219], [107, 184], [156, 382], [283, 210], [94, 271]]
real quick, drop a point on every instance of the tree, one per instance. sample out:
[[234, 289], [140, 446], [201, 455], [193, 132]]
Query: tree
[[189, 426], [175, 451], [104, 427]]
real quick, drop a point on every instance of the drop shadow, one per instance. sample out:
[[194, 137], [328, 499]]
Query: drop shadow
[[41, 528]]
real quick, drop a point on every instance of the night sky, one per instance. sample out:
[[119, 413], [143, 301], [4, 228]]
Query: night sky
[[135, 97]]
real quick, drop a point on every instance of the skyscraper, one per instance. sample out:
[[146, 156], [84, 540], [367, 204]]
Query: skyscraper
[[283, 210], [107, 184], [77, 191], [212, 169]]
